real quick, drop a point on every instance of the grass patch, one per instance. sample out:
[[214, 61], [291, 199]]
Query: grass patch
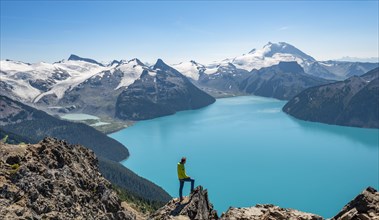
[[15, 166], [4, 140], [14, 169]]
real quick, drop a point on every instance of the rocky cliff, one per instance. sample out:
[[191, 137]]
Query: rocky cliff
[[54, 180]]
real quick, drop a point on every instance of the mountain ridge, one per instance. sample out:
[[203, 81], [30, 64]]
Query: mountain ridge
[[83, 85], [352, 102], [161, 91]]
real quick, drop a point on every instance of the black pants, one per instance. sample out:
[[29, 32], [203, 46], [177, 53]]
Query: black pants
[[182, 184]]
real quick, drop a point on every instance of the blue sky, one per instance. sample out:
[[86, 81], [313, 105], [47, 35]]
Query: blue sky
[[175, 31]]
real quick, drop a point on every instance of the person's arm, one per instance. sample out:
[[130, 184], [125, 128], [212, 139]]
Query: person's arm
[[185, 174], [182, 172]]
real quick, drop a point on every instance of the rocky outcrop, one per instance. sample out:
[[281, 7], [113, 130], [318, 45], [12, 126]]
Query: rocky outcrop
[[196, 206], [267, 212], [54, 180], [364, 207]]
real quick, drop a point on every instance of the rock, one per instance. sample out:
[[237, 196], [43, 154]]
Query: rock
[[364, 206], [197, 206], [267, 211], [55, 180]]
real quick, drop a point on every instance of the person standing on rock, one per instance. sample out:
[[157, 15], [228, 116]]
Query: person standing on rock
[[182, 176]]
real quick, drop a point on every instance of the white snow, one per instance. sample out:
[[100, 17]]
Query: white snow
[[258, 60], [152, 73], [326, 64], [261, 58], [14, 66], [131, 70], [79, 71], [22, 89], [189, 69], [18, 74]]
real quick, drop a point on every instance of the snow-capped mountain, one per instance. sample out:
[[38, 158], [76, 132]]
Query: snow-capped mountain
[[68, 84], [190, 69], [340, 70], [271, 54], [31, 82], [84, 85], [161, 90], [88, 85]]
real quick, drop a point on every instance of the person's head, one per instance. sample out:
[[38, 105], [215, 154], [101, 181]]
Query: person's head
[[183, 160]]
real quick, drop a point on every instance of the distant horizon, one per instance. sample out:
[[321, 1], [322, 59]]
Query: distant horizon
[[342, 59], [43, 31]]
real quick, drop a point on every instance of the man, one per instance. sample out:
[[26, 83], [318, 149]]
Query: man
[[182, 176]]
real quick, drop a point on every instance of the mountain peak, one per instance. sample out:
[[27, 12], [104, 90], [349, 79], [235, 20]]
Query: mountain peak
[[194, 62], [137, 61], [270, 49], [160, 64], [114, 62], [74, 57], [253, 50]]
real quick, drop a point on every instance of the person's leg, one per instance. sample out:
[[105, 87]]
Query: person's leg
[[181, 190], [192, 184]]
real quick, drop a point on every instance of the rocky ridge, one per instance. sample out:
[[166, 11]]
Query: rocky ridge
[[352, 102], [267, 211], [197, 206], [364, 207], [54, 180]]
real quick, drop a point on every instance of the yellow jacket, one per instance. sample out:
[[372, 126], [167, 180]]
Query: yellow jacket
[[181, 171]]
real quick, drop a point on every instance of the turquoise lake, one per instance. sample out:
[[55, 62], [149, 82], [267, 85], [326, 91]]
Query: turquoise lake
[[246, 151]]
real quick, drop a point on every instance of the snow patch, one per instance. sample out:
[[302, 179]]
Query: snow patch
[[189, 69]]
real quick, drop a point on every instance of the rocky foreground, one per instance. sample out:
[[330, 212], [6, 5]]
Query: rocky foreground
[[56, 180], [197, 206]]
